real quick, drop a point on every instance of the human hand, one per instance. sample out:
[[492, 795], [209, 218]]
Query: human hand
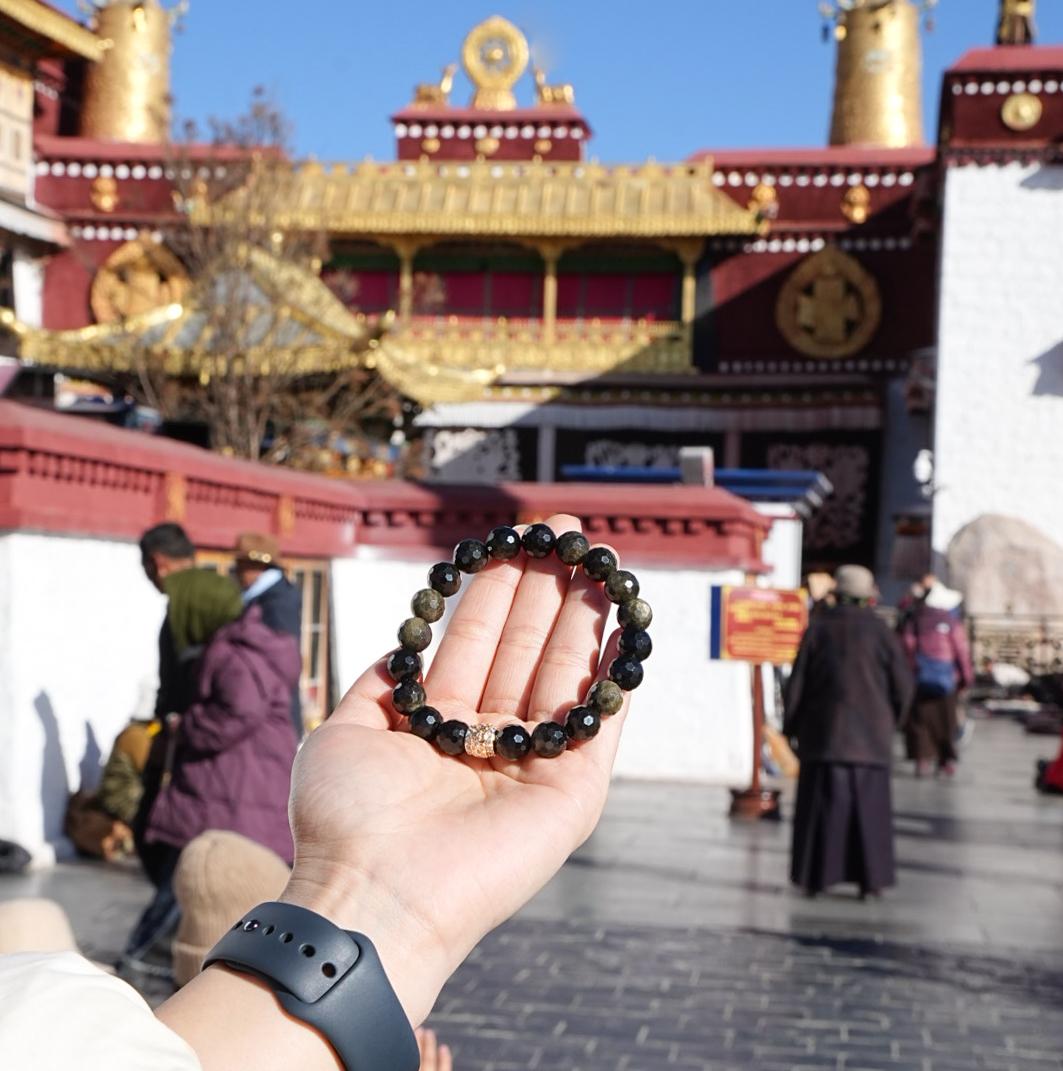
[[434, 1057], [426, 853]]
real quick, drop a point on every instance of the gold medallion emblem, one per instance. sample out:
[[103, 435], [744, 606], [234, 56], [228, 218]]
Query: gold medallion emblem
[[829, 307], [1021, 111], [138, 276]]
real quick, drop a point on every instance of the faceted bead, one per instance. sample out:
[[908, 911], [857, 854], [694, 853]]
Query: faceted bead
[[549, 739], [572, 547], [408, 696], [599, 562], [503, 543], [480, 741], [403, 663], [606, 698], [445, 578], [539, 540], [451, 737], [635, 612], [582, 723], [428, 605], [636, 642], [621, 586], [514, 743], [627, 672], [425, 722], [470, 555], [415, 634]]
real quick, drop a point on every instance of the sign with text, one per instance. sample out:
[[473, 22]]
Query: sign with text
[[757, 624]]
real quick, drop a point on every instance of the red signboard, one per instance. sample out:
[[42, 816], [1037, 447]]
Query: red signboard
[[757, 624]]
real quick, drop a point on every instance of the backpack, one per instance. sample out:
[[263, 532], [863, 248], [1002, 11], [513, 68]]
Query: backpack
[[935, 676]]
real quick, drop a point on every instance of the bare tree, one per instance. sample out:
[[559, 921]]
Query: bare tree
[[263, 354]]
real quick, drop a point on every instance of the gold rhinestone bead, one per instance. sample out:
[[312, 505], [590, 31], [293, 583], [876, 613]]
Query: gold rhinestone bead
[[480, 741]]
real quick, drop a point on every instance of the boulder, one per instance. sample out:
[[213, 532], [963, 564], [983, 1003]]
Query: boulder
[[1004, 565]]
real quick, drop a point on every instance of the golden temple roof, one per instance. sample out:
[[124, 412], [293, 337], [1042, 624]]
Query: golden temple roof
[[533, 200], [45, 22], [292, 324]]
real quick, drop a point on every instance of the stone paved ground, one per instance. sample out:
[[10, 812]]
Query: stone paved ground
[[671, 940]]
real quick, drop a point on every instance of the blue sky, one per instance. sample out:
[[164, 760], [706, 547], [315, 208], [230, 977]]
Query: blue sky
[[654, 79]]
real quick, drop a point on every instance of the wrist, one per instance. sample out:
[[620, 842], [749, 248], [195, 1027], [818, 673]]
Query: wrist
[[416, 962]]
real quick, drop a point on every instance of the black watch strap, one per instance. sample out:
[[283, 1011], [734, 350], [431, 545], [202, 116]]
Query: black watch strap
[[331, 979]]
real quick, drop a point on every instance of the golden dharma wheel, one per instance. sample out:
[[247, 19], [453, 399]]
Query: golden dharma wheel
[[495, 55]]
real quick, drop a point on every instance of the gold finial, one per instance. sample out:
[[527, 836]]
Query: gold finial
[[495, 55], [127, 93], [562, 93], [877, 91], [427, 93], [1015, 25]]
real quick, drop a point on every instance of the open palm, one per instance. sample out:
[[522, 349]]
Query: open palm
[[429, 851]]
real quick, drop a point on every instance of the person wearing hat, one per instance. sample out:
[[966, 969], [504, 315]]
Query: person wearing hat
[[849, 688], [264, 584], [939, 654]]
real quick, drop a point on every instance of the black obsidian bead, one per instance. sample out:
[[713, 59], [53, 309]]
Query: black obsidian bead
[[635, 612], [539, 540], [513, 743], [425, 722], [549, 740], [451, 737], [621, 586], [627, 672], [415, 634], [572, 547], [599, 562], [403, 663], [445, 578], [470, 555], [582, 723], [408, 696], [606, 698], [428, 605], [503, 543], [636, 642]]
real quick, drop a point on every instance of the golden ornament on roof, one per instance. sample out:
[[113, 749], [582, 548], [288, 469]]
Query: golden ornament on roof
[[495, 55], [1021, 111]]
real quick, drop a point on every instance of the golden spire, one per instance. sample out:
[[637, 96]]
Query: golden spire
[[878, 97], [1015, 25], [127, 94]]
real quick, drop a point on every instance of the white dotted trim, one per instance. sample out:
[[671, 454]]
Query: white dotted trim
[[136, 172], [811, 244], [987, 88], [118, 233]]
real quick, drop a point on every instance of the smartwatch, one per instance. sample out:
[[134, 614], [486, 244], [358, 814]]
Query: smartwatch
[[329, 978]]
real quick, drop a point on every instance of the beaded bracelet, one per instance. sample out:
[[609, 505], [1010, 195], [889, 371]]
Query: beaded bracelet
[[548, 739]]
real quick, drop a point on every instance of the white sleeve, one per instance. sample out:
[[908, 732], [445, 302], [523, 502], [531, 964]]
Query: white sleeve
[[59, 1012]]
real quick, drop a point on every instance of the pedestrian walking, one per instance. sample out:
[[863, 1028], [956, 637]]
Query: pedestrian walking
[[935, 641], [260, 576], [200, 603], [849, 688]]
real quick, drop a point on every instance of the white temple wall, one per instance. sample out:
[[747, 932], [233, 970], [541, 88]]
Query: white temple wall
[[79, 626], [999, 416], [692, 717]]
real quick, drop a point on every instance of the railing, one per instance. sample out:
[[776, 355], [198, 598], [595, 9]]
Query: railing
[[515, 345], [1034, 643]]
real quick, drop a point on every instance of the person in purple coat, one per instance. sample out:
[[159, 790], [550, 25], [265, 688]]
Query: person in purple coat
[[230, 760], [235, 747]]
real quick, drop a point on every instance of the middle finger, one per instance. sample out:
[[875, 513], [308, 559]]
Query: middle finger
[[535, 608]]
